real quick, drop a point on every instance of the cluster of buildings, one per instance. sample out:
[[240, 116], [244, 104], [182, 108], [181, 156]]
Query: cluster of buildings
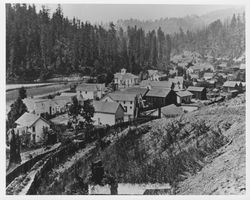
[[130, 99]]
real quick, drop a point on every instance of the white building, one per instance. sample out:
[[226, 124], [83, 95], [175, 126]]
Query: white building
[[155, 75], [90, 90], [33, 125], [124, 79], [50, 106], [178, 82], [127, 100], [107, 113]]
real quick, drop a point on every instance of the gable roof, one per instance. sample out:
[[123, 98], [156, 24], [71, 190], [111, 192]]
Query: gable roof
[[66, 98], [230, 84], [158, 92], [122, 96], [124, 76], [184, 93], [163, 84], [28, 119], [208, 74], [195, 89], [32, 102], [136, 90], [106, 107]]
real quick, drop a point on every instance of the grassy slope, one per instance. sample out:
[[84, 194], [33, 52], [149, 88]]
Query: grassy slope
[[176, 150], [225, 171]]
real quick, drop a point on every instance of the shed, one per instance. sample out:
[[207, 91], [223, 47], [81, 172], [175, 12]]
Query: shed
[[198, 92]]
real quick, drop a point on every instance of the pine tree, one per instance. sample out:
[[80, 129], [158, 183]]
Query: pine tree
[[18, 108], [22, 93]]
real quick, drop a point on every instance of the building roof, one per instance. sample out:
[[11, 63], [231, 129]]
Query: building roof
[[184, 93], [68, 94], [106, 107], [208, 74], [158, 92], [66, 98], [233, 91], [31, 102], [122, 96], [230, 84], [144, 83], [164, 84], [136, 90], [28, 119], [171, 110], [195, 89]]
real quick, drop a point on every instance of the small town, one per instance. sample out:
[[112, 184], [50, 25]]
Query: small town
[[157, 130]]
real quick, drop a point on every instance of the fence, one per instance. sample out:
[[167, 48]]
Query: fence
[[25, 167], [68, 149], [99, 133], [54, 159]]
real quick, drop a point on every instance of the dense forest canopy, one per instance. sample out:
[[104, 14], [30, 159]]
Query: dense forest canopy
[[39, 46]]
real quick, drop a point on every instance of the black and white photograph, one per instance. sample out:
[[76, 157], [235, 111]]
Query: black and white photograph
[[124, 99]]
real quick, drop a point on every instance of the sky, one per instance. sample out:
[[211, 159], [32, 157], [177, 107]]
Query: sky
[[95, 13]]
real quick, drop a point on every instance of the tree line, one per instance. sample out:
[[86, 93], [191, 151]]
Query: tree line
[[39, 46], [218, 39]]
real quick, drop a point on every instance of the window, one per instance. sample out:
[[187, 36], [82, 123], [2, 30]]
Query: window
[[124, 102], [86, 92], [33, 128], [131, 102], [125, 108], [131, 107]]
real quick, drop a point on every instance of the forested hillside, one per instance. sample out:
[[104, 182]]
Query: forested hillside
[[217, 39], [39, 46], [172, 25]]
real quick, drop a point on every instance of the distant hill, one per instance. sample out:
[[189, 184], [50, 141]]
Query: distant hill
[[172, 25]]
